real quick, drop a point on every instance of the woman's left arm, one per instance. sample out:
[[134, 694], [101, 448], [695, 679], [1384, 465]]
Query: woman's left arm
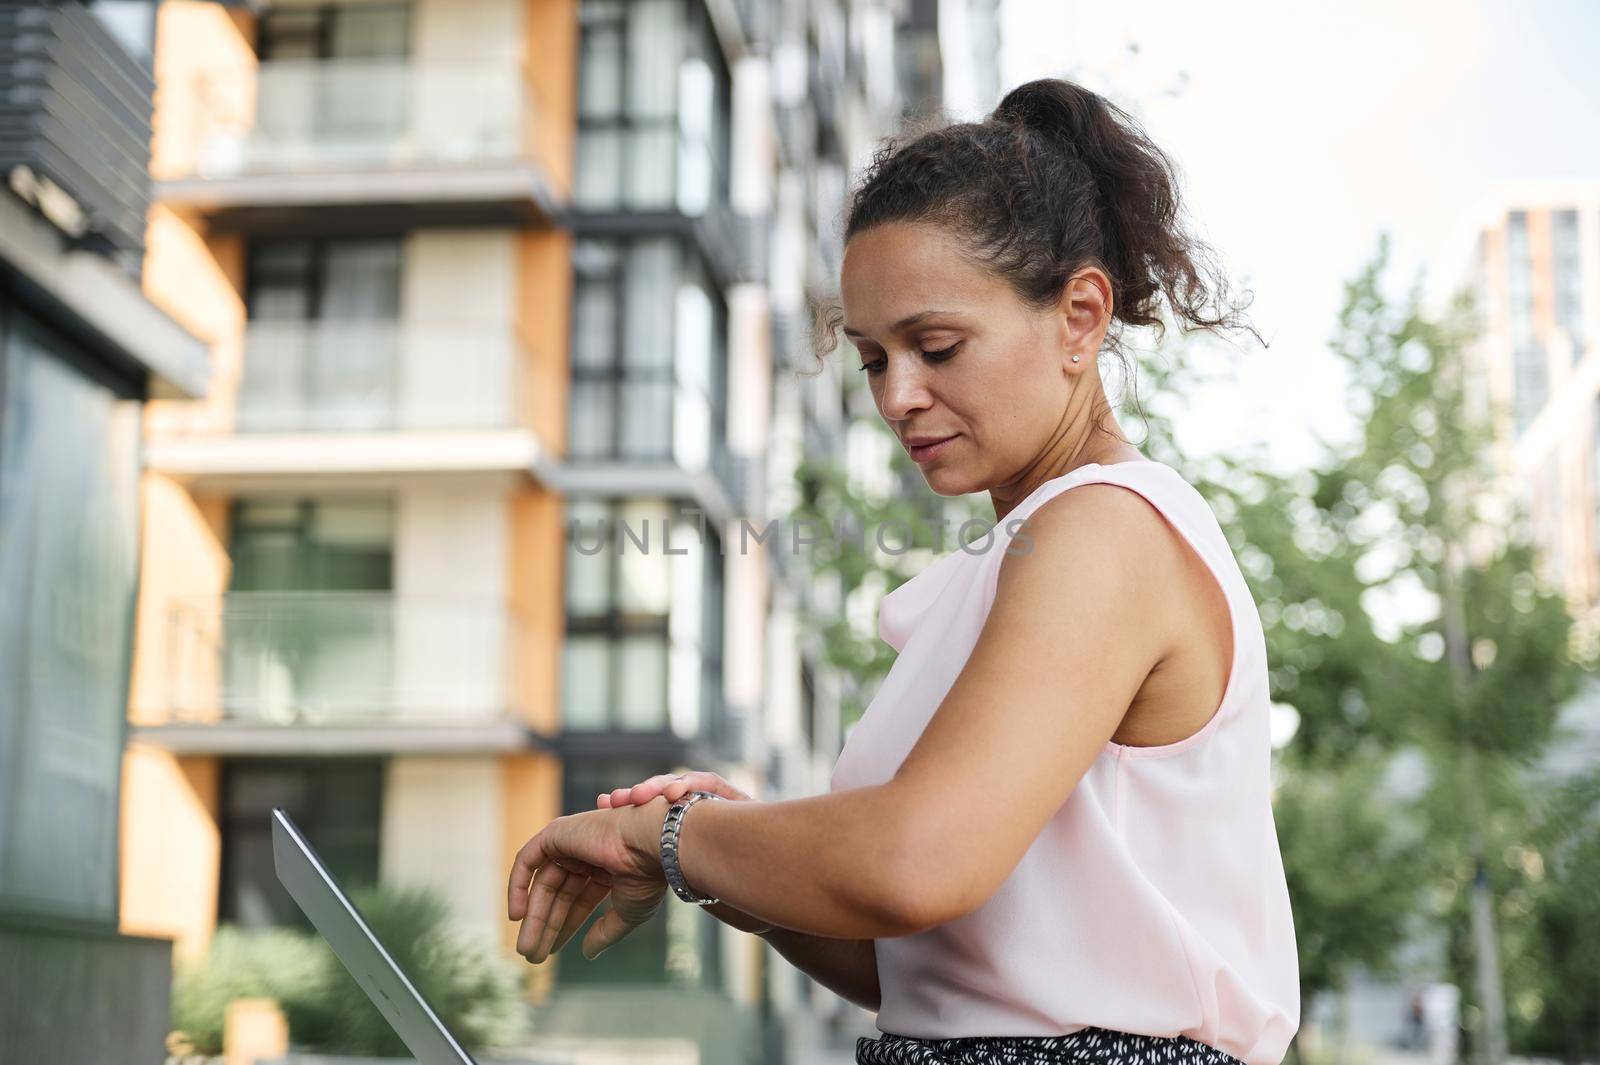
[[1088, 604]]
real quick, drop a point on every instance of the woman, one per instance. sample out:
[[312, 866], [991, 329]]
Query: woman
[[1050, 835]]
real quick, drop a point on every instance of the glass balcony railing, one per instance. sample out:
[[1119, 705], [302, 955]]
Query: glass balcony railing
[[340, 658], [292, 116], [350, 376]]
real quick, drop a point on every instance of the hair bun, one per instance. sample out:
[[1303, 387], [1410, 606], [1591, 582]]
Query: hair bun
[[1091, 189]]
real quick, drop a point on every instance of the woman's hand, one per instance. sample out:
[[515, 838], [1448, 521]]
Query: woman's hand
[[673, 787], [566, 870]]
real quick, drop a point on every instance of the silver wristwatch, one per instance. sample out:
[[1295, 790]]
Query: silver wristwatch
[[669, 846]]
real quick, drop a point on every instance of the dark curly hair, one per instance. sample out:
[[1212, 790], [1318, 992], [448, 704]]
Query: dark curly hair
[[1056, 178]]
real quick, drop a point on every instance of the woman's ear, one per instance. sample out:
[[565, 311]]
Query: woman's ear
[[1084, 314]]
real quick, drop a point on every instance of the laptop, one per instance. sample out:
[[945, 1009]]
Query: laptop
[[309, 884]]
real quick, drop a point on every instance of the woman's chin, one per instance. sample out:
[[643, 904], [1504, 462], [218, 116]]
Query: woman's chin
[[947, 482]]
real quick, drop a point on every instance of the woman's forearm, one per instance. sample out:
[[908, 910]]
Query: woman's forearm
[[847, 967], [837, 865]]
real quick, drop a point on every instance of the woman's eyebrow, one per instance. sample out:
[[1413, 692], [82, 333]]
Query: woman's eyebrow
[[902, 325]]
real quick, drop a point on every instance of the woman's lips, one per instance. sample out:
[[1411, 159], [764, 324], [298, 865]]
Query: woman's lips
[[924, 452]]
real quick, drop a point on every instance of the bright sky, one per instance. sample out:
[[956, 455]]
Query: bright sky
[[1302, 132]]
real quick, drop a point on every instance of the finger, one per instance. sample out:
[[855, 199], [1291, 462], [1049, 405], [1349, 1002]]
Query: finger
[[603, 800], [646, 790], [529, 858], [593, 894], [703, 780], [609, 929], [547, 881], [567, 893]]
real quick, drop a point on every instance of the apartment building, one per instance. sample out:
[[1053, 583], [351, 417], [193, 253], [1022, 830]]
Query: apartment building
[[484, 281], [81, 348], [1536, 266]]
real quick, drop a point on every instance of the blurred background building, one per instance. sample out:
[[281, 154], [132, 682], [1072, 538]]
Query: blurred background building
[[1537, 271], [80, 350], [472, 275]]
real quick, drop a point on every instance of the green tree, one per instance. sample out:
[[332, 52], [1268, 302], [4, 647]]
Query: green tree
[[1469, 685]]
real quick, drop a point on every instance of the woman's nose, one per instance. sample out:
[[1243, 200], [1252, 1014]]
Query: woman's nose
[[904, 390]]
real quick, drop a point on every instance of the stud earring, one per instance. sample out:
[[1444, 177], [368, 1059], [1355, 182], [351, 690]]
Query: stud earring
[[1075, 358]]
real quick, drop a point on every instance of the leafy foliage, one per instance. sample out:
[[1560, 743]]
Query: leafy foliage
[[472, 988]]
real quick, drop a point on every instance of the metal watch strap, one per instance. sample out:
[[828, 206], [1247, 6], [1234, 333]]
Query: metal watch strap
[[670, 827]]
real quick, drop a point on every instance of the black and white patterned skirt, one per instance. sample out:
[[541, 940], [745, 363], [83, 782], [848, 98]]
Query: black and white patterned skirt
[[1086, 1046]]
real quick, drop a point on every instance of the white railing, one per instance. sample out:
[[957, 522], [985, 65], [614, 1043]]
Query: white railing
[[316, 376], [294, 115], [339, 658]]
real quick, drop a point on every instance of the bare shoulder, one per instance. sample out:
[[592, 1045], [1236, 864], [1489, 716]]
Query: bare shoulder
[[1124, 527], [1109, 545]]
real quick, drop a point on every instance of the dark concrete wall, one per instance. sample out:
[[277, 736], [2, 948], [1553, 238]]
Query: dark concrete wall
[[89, 997]]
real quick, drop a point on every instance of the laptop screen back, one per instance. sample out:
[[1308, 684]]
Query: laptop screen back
[[309, 884]]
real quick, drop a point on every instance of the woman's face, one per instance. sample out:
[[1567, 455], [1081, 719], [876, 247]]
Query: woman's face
[[954, 357]]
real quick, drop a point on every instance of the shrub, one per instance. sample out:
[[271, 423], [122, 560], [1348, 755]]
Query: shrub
[[473, 989]]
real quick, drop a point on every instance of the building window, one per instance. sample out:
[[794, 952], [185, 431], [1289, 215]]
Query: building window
[[131, 22], [322, 349], [653, 108], [1529, 364], [326, 279], [649, 353], [336, 804], [1594, 468], [1530, 382], [644, 618], [1569, 279], [310, 621], [304, 545], [333, 85], [1519, 279], [69, 470], [335, 31]]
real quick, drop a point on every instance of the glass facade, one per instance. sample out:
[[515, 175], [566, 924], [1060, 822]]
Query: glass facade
[[336, 803], [69, 466], [303, 545], [1568, 278], [335, 31], [321, 351], [644, 618], [1529, 369], [309, 625], [1594, 472], [653, 108], [649, 353]]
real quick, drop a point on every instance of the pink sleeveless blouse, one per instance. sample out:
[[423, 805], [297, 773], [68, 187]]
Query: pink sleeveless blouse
[[1154, 900]]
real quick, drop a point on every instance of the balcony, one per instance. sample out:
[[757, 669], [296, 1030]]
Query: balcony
[[318, 397], [320, 376], [453, 141], [337, 671], [75, 126]]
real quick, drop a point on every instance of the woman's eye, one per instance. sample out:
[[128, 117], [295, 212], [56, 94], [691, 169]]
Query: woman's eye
[[876, 367]]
